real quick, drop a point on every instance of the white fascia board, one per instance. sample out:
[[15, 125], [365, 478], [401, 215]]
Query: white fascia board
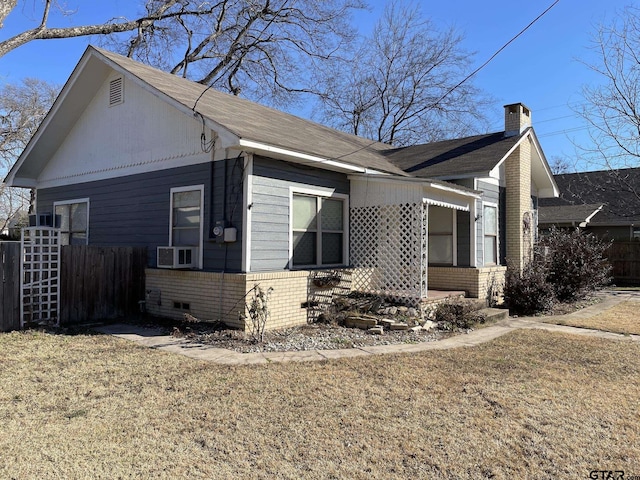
[[300, 157], [588, 219], [545, 164], [512, 149], [438, 186], [555, 192], [21, 182]]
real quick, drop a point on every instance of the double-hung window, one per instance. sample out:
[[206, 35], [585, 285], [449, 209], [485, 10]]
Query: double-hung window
[[441, 235], [490, 214], [318, 230], [187, 217], [74, 221]]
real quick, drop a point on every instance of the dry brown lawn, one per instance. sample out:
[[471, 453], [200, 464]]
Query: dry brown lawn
[[528, 405], [623, 318]]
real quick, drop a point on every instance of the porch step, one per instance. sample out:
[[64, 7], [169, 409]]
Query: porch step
[[494, 314]]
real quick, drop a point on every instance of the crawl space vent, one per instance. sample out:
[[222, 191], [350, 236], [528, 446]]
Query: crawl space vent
[[116, 91]]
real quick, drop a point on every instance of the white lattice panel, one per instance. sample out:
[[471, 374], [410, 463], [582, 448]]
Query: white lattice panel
[[40, 280], [388, 249]]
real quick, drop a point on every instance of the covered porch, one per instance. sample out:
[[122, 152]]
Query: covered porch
[[408, 237]]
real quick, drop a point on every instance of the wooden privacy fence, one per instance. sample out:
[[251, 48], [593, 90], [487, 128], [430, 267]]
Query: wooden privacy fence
[[9, 286], [624, 257], [99, 283]]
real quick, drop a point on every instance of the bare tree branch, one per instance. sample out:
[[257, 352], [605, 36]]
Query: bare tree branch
[[22, 108], [6, 6], [399, 90], [612, 107]]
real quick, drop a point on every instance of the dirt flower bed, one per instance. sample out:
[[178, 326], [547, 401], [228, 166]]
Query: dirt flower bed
[[308, 337]]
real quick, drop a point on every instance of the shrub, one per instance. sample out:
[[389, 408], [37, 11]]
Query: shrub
[[259, 313], [527, 292], [457, 314], [576, 263], [567, 266]]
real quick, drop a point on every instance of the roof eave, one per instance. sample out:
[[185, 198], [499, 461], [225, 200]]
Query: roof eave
[[281, 153]]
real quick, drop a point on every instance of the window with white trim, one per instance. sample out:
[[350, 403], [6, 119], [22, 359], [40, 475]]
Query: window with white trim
[[441, 228], [490, 215], [74, 221], [186, 216], [318, 230]]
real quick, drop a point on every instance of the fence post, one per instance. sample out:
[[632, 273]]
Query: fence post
[[9, 286]]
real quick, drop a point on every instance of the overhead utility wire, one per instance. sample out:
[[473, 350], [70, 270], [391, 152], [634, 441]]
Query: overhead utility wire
[[451, 90]]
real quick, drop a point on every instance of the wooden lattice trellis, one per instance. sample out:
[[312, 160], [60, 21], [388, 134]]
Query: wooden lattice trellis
[[389, 251], [40, 280]]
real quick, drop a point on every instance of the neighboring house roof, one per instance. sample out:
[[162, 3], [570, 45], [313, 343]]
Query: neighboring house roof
[[256, 127], [578, 215], [617, 190]]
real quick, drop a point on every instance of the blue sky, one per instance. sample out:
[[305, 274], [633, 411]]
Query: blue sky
[[541, 68]]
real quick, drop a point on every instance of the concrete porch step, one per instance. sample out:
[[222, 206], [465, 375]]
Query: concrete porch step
[[494, 314]]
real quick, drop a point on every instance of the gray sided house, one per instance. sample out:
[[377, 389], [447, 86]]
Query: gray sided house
[[226, 194], [605, 203]]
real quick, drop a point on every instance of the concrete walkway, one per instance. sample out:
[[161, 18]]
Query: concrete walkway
[[155, 338]]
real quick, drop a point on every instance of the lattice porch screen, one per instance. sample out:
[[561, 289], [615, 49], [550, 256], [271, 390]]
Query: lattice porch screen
[[389, 251]]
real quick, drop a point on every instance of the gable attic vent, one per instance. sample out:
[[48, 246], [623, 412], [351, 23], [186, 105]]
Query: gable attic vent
[[116, 91]]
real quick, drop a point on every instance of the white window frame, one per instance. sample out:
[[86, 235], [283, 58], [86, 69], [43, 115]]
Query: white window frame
[[70, 202], [454, 238], [484, 234], [189, 188], [320, 192]]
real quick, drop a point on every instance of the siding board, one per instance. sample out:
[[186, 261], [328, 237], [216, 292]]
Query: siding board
[[134, 210], [270, 218]]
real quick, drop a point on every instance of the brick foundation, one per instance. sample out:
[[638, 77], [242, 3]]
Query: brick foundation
[[212, 296], [297, 297], [476, 282]]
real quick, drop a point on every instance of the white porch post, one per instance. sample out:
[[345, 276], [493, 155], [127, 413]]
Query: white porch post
[[424, 270]]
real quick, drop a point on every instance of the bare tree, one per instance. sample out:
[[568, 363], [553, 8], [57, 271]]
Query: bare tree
[[22, 108], [262, 48], [560, 165], [612, 107], [403, 85]]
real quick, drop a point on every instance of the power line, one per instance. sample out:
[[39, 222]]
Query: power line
[[451, 90]]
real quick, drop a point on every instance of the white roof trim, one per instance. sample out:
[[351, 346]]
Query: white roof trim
[[442, 203], [453, 189], [588, 219], [257, 147]]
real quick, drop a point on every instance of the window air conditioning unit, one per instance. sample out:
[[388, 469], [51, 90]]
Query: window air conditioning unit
[[177, 257]]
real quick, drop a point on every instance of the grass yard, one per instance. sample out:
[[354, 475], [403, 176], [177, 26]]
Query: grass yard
[[622, 318], [530, 404]]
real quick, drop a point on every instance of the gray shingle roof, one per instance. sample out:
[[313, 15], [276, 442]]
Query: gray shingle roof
[[251, 121], [563, 214], [454, 158], [617, 190]]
